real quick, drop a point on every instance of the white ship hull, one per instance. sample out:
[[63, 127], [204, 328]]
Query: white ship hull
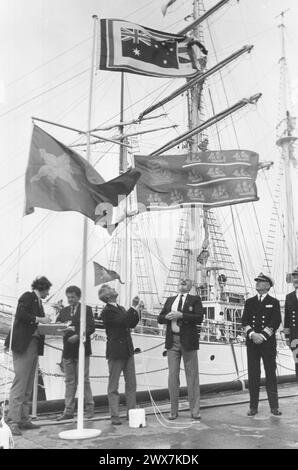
[[219, 363]]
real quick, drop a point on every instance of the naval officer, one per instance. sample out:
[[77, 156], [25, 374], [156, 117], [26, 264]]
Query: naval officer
[[261, 318], [291, 318]]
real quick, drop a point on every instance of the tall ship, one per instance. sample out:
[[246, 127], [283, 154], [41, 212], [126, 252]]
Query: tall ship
[[202, 241]]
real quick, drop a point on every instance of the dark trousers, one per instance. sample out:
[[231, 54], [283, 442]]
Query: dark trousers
[[116, 366], [295, 355], [256, 352], [191, 367]]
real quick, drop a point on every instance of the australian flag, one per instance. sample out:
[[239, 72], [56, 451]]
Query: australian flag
[[137, 49]]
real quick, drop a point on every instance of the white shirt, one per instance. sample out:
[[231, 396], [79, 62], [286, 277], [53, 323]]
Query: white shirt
[[175, 327], [261, 297], [36, 292], [297, 293]]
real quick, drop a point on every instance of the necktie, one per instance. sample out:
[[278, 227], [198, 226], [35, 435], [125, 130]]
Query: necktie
[[260, 298], [179, 308], [175, 326], [72, 311]]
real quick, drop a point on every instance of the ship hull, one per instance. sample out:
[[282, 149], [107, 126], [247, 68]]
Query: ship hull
[[220, 364]]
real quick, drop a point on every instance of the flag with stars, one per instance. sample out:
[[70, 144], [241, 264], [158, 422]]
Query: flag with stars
[[59, 179], [130, 47]]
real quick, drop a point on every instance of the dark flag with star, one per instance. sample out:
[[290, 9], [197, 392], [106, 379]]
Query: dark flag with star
[[59, 179], [137, 49]]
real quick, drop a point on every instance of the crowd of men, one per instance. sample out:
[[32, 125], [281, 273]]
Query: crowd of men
[[181, 315]]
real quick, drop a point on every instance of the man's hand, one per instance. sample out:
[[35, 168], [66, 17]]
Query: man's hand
[[174, 315], [257, 338], [73, 339], [43, 320]]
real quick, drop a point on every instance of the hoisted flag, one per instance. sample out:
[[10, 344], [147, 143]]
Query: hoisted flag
[[211, 178], [103, 275], [130, 47], [59, 179]]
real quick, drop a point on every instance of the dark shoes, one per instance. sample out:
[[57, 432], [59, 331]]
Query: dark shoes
[[89, 414], [196, 418], [15, 430], [172, 417], [116, 421], [28, 425], [64, 417], [276, 412]]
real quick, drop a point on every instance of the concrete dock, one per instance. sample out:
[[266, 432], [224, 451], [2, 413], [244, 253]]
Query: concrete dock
[[224, 425]]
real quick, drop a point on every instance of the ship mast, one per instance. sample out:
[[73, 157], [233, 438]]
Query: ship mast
[[285, 142], [193, 118], [281, 247]]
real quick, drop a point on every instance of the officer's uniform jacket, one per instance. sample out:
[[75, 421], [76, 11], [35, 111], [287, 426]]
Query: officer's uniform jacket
[[261, 317], [291, 316]]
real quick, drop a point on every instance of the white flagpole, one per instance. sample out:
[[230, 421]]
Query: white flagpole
[[80, 432]]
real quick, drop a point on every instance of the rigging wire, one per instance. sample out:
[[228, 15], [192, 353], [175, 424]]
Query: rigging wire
[[27, 236], [88, 261], [12, 181], [43, 93], [236, 137], [37, 234], [61, 54], [231, 209]]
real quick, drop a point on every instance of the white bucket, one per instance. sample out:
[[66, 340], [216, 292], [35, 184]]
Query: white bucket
[[6, 440], [137, 418]]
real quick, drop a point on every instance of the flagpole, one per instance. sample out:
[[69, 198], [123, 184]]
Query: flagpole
[[80, 432]]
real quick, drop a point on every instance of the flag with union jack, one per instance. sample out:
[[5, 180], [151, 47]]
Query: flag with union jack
[[130, 47]]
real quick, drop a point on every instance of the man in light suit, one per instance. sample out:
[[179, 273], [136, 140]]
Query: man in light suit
[[291, 319], [26, 344], [261, 318], [71, 344], [182, 314]]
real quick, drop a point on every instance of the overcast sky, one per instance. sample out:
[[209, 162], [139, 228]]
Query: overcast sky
[[45, 48]]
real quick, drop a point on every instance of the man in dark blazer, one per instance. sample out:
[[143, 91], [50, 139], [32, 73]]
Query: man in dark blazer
[[120, 351], [261, 318], [182, 313], [26, 345], [71, 344], [291, 319]]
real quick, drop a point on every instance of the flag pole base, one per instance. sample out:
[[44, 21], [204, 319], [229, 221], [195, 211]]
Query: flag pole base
[[73, 434]]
